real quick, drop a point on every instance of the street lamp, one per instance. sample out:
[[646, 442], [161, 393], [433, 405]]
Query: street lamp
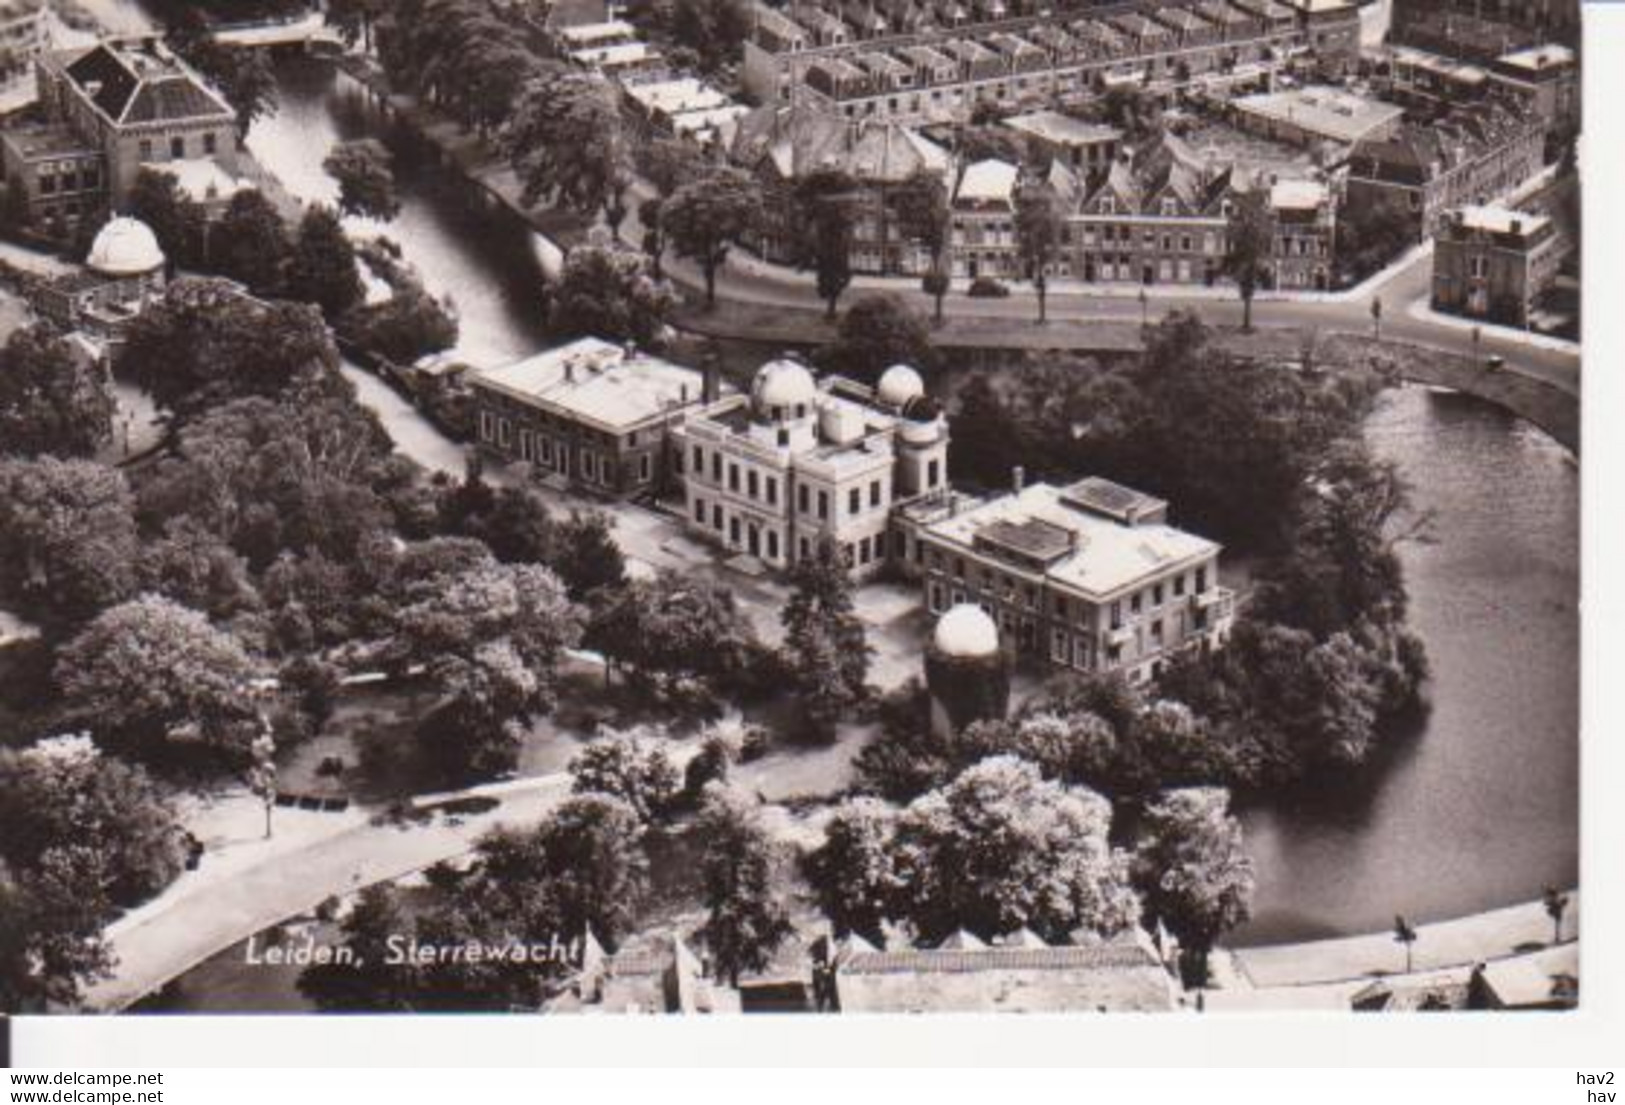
[[1478, 337], [1376, 317], [1145, 310]]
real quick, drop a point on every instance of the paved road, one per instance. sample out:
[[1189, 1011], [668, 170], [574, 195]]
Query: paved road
[[205, 912]]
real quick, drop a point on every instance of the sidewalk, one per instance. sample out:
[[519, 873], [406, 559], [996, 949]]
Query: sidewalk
[[1448, 944], [1422, 311]]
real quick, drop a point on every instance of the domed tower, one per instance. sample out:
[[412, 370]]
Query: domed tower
[[966, 672], [922, 432], [126, 250], [784, 404]]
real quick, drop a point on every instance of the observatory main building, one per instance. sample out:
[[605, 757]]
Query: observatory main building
[[798, 460]]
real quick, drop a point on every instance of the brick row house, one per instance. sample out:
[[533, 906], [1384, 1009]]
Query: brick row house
[[1471, 157], [940, 63]]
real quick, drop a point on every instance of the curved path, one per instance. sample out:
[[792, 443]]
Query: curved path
[[225, 901]]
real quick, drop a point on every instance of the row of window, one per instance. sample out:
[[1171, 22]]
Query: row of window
[[88, 179], [537, 448], [1013, 590], [765, 488], [178, 147]]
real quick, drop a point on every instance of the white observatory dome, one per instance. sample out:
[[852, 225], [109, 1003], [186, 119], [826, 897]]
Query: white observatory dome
[[966, 631], [898, 384], [784, 385], [125, 247]]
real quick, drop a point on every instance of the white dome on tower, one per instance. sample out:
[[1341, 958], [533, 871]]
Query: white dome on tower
[[898, 384], [785, 385], [125, 247], [966, 631]]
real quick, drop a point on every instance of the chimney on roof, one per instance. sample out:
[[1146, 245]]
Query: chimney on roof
[[1018, 479], [569, 370], [710, 379], [1517, 226]]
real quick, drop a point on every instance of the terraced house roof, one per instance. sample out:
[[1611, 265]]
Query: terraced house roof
[[147, 85]]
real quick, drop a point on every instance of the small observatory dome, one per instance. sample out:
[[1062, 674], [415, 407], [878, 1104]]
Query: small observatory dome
[[966, 631], [783, 386], [125, 247], [899, 384]]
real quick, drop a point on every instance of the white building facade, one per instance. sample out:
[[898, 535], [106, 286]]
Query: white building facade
[[799, 460]]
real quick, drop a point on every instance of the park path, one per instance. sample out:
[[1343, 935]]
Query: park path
[[226, 900]]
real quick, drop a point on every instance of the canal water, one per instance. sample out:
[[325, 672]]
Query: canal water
[[1477, 807]]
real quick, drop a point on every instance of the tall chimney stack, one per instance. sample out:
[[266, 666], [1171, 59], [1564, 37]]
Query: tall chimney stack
[[1018, 479], [711, 379]]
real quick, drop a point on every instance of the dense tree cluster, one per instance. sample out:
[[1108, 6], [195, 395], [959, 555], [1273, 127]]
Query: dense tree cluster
[[876, 332], [607, 290], [51, 400], [993, 850], [81, 836], [461, 56], [825, 650]]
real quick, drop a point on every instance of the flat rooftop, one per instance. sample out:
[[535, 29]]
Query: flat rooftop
[[1537, 58], [1320, 109], [1496, 219], [1052, 126], [1107, 556], [597, 382]]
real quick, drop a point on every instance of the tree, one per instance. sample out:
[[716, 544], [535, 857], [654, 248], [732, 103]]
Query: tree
[[322, 267], [879, 331], [176, 220], [606, 290], [63, 794], [921, 203], [365, 979], [1193, 871], [999, 849], [148, 675], [668, 164], [566, 141], [366, 179], [1252, 239], [1406, 935], [408, 325], [988, 440], [853, 871], [68, 543], [825, 647], [714, 29], [354, 20], [1556, 904], [1370, 235], [491, 637], [51, 942], [631, 768], [1038, 238], [205, 343], [740, 882], [587, 860], [675, 635], [704, 218], [825, 209], [262, 771], [243, 76], [250, 244], [585, 554], [51, 401]]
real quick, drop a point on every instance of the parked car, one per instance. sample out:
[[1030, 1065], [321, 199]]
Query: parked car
[[985, 287]]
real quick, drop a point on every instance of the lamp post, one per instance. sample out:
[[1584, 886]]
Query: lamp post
[[1376, 317], [1145, 310], [1478, 337]]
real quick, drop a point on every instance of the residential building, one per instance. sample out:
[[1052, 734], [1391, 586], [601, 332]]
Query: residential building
[[140, 105], [780, 145], [1484, 29], [650, 973], [1086, 148], [1019, 973], [682, 107], [1089, 577], [1315, 114], [22, 37], [1474, 155], [53, 177], [1021, 52], [599, 415], [1162, 216], [797, 461], [982, 234], [1544, 79], [1493, 263]]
